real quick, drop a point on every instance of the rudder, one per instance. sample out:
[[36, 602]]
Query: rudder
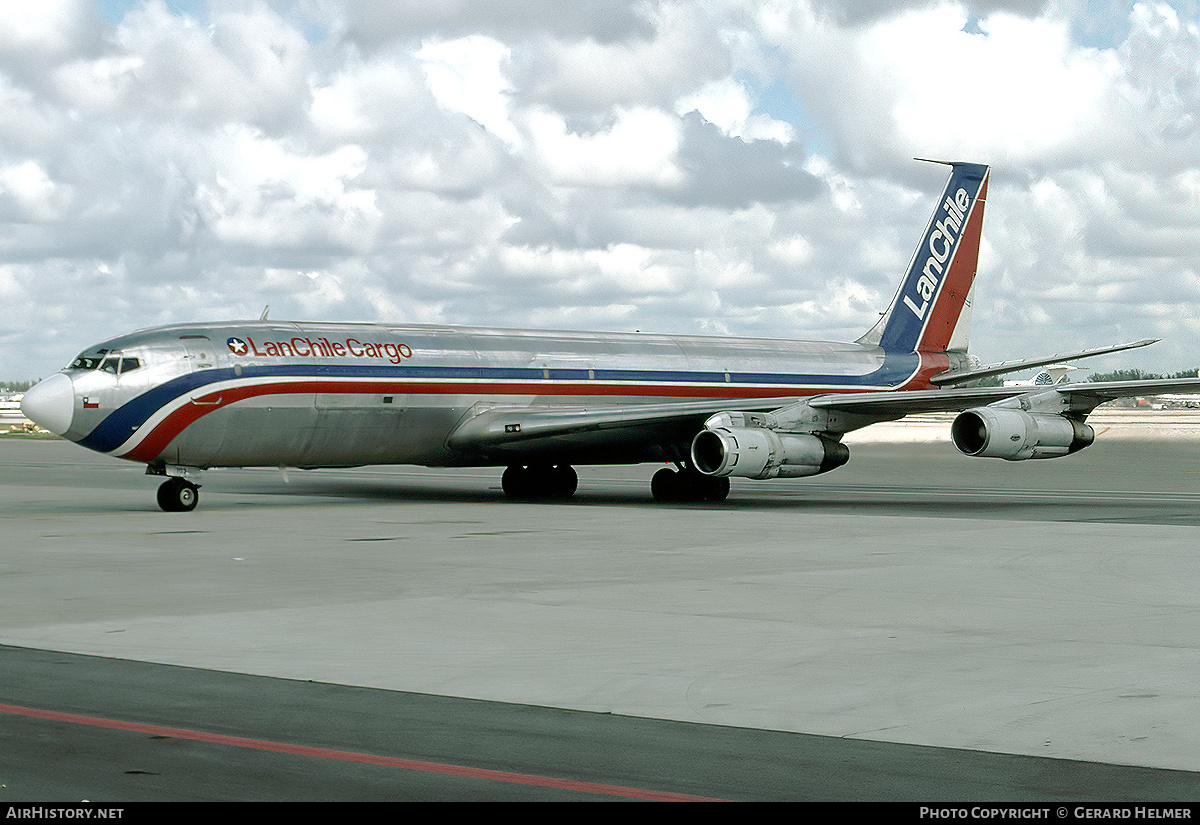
[[931, 310]]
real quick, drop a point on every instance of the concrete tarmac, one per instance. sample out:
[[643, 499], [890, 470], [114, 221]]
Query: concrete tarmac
[[926, 608]]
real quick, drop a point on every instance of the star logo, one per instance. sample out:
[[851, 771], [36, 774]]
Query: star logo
[[237, 346]]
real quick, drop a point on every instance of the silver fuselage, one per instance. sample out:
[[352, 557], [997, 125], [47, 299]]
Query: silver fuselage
[[322, 395]]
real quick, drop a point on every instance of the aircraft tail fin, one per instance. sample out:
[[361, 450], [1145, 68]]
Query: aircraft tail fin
[[932, 309]]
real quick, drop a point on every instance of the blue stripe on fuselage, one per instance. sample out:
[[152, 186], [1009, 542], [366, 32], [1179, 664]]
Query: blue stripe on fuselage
[[117, 427]]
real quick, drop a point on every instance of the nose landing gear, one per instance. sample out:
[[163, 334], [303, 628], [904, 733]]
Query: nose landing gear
[[178, 495]]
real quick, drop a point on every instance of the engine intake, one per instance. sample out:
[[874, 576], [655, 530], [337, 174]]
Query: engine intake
[[1015, 435], [756, 452]]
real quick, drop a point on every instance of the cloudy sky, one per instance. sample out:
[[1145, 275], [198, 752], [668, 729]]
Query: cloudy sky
[[725, 167]]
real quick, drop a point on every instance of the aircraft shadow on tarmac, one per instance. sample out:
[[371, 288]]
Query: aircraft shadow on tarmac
[[826, 498]]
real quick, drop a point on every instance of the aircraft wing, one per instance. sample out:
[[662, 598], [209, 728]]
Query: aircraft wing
[[1108, 390], [523, 430], [509, 428]]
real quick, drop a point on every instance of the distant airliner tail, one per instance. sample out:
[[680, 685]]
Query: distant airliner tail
[[932, 309]]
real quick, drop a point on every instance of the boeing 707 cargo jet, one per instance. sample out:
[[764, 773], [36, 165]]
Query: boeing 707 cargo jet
[[185, 398]]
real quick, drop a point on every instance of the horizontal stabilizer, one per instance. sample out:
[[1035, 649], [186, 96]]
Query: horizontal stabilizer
[[1004, 367]]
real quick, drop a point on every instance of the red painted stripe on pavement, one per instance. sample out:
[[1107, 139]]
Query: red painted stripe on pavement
[[352, 756]]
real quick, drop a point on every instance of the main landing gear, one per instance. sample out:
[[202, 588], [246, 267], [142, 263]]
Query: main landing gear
[[547, 482], [178, 495], [687, 484], [540, 482]]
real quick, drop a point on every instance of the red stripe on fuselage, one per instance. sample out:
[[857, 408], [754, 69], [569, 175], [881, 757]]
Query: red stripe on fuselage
[[177, 421]]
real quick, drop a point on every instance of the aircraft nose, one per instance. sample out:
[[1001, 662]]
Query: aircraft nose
[[50, 404]]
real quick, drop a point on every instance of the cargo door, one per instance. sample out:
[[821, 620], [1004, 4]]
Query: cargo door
[[199, 352], [199, 355]]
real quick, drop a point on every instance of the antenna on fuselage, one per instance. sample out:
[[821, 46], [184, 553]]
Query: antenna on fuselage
[[266, 309]]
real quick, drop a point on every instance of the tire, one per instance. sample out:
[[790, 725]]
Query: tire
[[688, 485], [566, 481], [665, 485], [515, 483], [539, 482], [716, 489], [178, 495]]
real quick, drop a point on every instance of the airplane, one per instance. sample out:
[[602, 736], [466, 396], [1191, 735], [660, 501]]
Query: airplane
[[184, 398], [1178, 402]]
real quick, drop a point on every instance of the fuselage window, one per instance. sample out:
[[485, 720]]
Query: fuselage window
[[129, 365]]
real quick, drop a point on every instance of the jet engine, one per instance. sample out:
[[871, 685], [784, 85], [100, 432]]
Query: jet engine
[[1015, 435], [757, 452]]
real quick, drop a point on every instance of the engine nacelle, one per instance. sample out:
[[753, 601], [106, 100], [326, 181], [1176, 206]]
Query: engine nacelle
[[1015, 435], [756, 452]]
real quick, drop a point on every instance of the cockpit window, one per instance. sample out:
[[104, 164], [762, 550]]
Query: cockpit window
[[106, 362], [88, 362], [84, 362]]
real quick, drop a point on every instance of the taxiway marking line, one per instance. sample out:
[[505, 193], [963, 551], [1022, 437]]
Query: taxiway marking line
[[352, 756]]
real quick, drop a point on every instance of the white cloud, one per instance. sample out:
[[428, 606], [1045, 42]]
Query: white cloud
[[726, 104], [1019, 90], [247, 65], [263, 195], [1016, 91], [630, 269], [590, 75], [40, 32], [379, 100], [467, 75], [38, 197], [637, 149]]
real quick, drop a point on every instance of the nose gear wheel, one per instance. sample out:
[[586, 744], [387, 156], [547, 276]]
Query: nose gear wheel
[[178, 495]]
